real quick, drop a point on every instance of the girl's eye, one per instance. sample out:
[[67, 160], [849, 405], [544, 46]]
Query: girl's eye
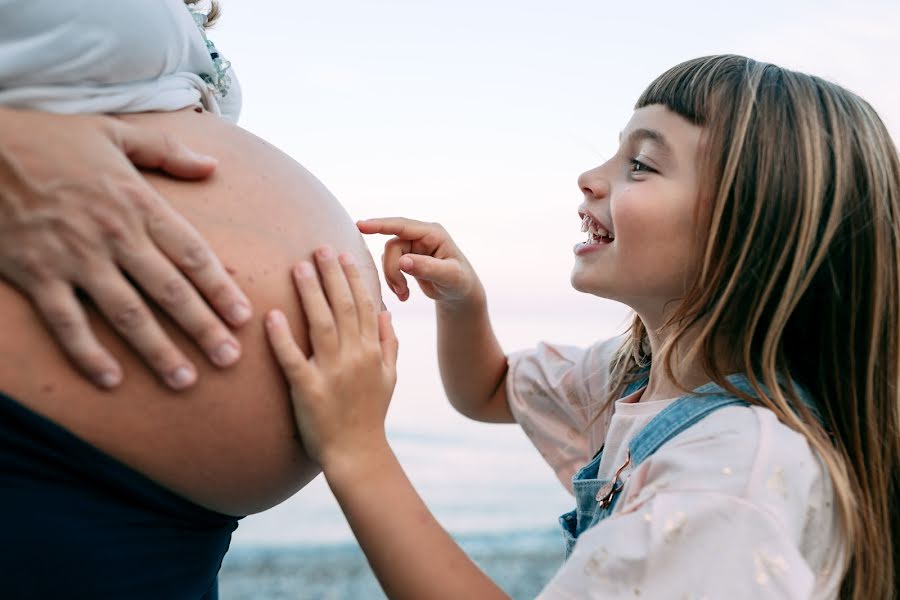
[[636, 166]]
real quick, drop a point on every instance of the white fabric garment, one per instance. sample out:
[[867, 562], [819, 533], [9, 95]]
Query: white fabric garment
[[737, 506], [102, 56]]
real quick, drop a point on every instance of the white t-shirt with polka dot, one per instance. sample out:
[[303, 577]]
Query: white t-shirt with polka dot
[[736, 506]]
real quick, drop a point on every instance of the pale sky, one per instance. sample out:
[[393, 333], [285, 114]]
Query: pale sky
[[480, 115]]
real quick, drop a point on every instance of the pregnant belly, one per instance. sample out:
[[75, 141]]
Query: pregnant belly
[[229, 443]]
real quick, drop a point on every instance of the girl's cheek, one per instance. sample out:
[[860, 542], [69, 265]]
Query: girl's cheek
[[625, 215]]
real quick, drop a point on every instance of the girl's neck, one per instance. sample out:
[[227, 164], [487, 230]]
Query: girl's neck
[[660, 387], [688, 371]]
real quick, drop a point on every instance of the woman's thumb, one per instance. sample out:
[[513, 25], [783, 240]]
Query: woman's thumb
[[159, 150]]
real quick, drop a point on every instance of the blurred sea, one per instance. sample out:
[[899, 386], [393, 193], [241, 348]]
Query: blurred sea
[[521, 563]]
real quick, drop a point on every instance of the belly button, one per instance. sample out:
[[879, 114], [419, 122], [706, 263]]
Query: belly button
[[198, 109]]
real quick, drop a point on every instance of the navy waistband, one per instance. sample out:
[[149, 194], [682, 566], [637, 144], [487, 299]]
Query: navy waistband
[[79, 524]]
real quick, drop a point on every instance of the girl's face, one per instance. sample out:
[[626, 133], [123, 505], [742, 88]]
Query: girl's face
[[642, 246]]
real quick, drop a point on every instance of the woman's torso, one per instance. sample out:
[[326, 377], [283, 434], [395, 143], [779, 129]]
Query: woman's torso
[[229, 443]]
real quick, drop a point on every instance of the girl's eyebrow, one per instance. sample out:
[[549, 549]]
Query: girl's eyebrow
[[653, 136]]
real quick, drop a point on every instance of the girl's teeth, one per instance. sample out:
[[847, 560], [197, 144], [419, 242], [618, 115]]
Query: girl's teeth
[[593, 229]]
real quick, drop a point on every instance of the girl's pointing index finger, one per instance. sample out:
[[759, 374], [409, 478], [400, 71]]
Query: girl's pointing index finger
[[407, 229]]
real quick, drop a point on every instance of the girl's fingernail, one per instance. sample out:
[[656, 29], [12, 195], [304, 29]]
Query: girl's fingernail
[[347, 259], [181, 377], [275, 317], [240, 313], [406, 263], [324, 252], [304, 269], [226, 354]]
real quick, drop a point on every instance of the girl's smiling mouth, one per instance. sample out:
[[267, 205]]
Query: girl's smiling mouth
[[598, 235]]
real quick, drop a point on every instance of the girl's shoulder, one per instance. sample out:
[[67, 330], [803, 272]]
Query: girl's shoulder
[[555, 394], [578, 373], [747, 455], [737, 505]]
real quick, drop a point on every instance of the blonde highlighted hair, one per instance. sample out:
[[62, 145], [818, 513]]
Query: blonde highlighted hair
[[214, 12], [801, 275]]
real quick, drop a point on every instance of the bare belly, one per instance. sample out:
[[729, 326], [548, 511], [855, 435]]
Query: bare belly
[[229, 443]]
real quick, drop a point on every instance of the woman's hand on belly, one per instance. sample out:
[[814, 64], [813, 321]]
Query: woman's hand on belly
[[75, 213], [228, 443]]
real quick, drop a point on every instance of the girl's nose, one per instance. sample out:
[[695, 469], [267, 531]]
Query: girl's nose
[[593, 184]]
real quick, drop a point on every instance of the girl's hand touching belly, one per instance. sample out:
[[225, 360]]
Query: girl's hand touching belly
[[340, 418]]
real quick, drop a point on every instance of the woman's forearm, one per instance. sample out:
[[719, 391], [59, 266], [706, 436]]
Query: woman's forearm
[[410, 553]]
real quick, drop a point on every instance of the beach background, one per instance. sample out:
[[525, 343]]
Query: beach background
[[480, 115]]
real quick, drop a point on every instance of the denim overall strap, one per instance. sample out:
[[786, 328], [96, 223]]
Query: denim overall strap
[[682, 414], [675, 418], [585, 485], [637, 384], [687, 410]]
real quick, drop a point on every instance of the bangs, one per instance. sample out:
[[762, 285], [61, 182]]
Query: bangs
[[691, 88]]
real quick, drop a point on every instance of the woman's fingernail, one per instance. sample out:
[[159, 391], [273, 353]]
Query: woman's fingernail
[[201, 157], [406, 263], [226, 354], [324, 252], [109, 379], [181, 377], [347, 259], [239, 313]]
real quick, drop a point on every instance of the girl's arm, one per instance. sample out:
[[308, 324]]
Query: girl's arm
[[340, 395], [473, 365], [410, 553]]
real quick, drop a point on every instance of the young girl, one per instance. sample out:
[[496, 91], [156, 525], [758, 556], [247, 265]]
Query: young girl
[[742, 441]]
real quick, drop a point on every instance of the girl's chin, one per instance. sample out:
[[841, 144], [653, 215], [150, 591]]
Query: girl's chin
[[581, 282]]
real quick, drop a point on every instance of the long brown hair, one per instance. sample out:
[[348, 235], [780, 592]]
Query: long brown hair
[[801, 274]]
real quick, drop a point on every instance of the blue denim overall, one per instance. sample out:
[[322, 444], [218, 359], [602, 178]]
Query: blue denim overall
[[596, 498]]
